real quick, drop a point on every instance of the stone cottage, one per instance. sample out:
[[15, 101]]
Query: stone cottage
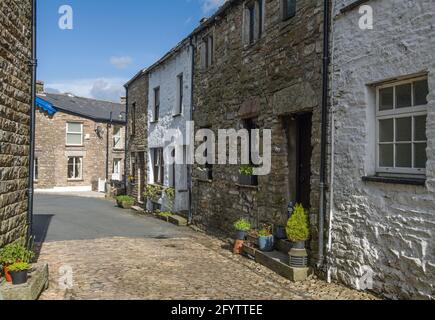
[[137, 135], [258, 64], [169, 108], [382, 208], [15, 117], [80, 142]]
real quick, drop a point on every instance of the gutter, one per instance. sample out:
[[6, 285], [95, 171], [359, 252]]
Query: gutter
[[33, 64], [190, 167], [127, 151], [324, 133]]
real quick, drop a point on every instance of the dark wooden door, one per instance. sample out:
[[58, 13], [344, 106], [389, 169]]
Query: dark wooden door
[[303, 158]]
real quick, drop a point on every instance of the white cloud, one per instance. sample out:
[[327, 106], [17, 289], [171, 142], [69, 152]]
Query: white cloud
[[111, 89], [211, 5], [121, 62]]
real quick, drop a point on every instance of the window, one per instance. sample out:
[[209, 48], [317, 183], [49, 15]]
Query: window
[[207, 51], [156, 104], [180, 94], [401, 127], [288, 9], [158, 165], [116, 174], [75, 168], [250, 124], [74, 134], [36, 169], [117, 138], [133, 120], [254, 21]]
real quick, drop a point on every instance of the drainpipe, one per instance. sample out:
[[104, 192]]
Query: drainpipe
[[126, 142], [109, 126], [323, 150], [190, 167], [33, 64]]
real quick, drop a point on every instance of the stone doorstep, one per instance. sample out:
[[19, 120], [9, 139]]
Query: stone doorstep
[[277, 262], [37, 283], [174, 219]]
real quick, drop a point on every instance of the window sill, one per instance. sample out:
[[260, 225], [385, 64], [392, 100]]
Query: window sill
[[76, 180], [154, 121], [245, 186], [203, 180], [393, 180], [177, 115]]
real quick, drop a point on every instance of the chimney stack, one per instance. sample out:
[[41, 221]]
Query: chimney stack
[[123, 100], [39, 87]]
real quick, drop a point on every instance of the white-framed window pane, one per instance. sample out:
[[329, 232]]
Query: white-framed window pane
[[404, 96], [404, 155], [421, 91], [420, 128], [74, 127], [74, 139], [386, 155], [71, 168], [404, 129], [420, 156], [75, 168], [386, 130], [386, 99]]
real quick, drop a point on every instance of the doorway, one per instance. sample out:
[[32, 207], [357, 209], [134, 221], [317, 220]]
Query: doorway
[[298, 129]]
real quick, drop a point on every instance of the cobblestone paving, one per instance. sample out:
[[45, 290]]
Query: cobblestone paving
[[195, 267]]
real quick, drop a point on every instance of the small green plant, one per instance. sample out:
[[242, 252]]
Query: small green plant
[[246, 170], [242, 225], [265, 231], [170, 193], [15, 252], [19, 266], [165, 214], [125, 199], [298, 226], [152, 192]]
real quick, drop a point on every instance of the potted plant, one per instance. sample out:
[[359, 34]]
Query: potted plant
[[125, 202], [170, 196], [19, 272], [266, 241], [246, 176], [298, 231], [242, 227], [11, 254]]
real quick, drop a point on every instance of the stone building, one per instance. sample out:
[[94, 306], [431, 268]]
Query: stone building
[[137, 135], [258, 64], [169, 108], [15, 110], [383, 109], [80, 143]]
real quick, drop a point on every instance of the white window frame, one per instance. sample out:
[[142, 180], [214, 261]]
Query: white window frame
[[117, 137], [410, 112], [80, 177], [74, 133], [180, 95]]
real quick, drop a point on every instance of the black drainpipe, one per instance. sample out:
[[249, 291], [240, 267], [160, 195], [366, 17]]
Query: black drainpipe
[[126, 141], [109, 126], [323, 151], [190, 167], [33, 64]]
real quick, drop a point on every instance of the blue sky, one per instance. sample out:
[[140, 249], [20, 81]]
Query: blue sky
[[111, 41]]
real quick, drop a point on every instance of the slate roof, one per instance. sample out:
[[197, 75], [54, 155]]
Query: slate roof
[[96, 110]]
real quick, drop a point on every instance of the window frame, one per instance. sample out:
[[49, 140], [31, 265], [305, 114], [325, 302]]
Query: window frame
[[399, 113], [254, 21], [74, 133], [158, 168], [115, 136], [180, 94], [80, 178], [156, 107], [284, 10]]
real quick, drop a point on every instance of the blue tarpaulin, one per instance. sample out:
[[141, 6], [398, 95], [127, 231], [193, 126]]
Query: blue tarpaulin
[[46, 106]]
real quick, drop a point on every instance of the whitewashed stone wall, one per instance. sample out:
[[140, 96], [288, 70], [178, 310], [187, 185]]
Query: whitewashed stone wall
[[165, 76], [387, 227]]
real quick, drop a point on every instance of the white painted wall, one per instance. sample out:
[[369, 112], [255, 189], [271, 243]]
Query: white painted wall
[[165, 77], [387, 227]]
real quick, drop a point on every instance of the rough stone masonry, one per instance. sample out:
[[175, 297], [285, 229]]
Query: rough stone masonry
[[15, 101]]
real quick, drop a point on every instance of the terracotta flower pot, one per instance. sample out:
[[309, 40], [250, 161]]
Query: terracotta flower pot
[[238, 245], [8, 276]]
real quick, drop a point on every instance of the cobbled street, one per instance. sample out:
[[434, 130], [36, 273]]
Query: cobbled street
[[117, 254]]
